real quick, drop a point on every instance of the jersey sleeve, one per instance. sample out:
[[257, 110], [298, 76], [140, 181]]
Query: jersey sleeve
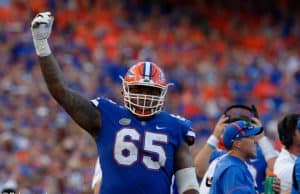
[[234, 182], [187, 133], [103, 104], [106, 107]]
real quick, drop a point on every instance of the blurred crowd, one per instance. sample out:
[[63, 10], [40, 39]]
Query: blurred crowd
[[216, 53]]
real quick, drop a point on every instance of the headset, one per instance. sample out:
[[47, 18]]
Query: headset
[[236, 117], [252, 109]]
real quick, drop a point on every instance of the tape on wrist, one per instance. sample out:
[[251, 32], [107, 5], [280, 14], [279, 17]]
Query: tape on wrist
[[42, 48], [212, 141], [267, 148], [186, 179]]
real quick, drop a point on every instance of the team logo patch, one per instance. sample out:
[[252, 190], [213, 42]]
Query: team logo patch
[[124, 121]]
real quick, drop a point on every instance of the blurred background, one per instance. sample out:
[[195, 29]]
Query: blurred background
[[216, 52]]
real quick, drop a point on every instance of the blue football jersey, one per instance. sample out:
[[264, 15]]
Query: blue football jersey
[[137, 157]]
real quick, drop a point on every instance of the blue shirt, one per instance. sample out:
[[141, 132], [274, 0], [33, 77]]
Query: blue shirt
[[296, 177], [259, 163], [232, 177], [137, 157]]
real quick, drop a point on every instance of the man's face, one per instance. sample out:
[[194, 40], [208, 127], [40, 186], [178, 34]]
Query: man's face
[[145, 90], [248, 146]]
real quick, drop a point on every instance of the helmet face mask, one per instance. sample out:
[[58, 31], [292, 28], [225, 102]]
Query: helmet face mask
[[144, 95]]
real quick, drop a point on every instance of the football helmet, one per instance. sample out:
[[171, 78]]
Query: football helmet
[[144, 89]]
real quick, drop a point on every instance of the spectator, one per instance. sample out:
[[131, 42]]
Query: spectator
[[288, 130]]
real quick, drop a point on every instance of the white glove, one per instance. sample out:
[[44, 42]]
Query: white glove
[[41, 27]]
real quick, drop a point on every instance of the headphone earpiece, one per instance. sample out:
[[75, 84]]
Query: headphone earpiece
[[231, 119]]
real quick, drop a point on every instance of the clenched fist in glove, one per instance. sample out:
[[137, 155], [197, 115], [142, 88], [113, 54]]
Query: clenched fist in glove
[[41, 27]]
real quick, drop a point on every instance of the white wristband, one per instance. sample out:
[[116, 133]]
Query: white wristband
[[267, 148], [186, 179], [212, 141], [42, 48]]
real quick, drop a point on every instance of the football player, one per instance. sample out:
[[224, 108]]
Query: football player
[[141, 145]]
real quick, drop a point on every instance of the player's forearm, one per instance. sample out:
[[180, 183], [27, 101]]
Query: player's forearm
[[79, 108], [269, 152], [53, 77], [270, 164], [41, 29], [56, 84], [68, 99]]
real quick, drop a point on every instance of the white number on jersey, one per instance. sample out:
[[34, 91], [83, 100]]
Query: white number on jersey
[[126, 152]]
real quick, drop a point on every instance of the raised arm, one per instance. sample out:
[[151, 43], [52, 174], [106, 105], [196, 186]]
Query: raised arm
[[268, 150], [79, 108], [203, 156]]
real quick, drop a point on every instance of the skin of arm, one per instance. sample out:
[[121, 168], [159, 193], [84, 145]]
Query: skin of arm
[[270, 164], [203, 156], [79, 108], [97, 187], [183, 159], [271, 161], [202, 160], [276, 185]]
